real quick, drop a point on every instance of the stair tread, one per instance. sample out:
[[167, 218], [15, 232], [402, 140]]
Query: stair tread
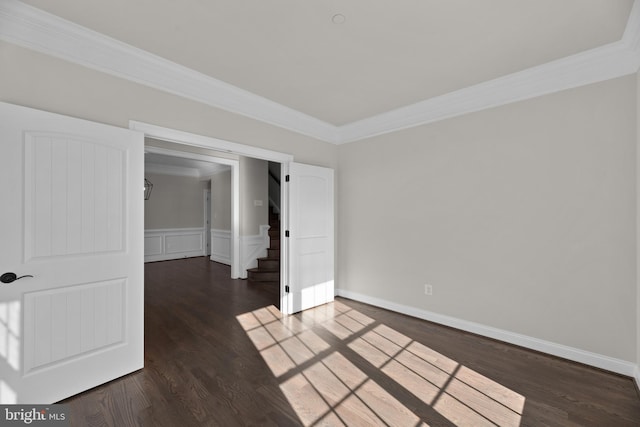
[[273, 286], [264, 270]]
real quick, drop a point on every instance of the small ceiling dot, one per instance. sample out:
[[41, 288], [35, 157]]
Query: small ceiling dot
[[338, 18]]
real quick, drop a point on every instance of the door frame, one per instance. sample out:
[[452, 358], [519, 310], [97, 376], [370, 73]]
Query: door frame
[[207, 221], [200, 141]]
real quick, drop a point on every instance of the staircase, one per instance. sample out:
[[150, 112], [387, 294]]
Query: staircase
[[268, 271]]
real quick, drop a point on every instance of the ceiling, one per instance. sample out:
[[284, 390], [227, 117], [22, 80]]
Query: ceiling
[[384, 56], [171, 165]]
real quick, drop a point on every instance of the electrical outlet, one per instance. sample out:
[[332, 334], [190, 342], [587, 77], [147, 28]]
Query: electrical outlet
[[428, 289]]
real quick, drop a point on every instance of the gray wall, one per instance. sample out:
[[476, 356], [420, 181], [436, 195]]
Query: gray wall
[[176, 202], [521, 217], [253, 187], [221, 201], [40, 81], [638, 225]]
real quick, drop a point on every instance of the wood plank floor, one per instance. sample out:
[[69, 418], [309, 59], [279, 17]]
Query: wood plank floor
[[217, 353]]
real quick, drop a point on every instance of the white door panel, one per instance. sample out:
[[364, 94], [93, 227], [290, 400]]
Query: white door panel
[[311, 241], [73, 218]]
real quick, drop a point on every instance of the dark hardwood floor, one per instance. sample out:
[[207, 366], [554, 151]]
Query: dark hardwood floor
[[217, 353]]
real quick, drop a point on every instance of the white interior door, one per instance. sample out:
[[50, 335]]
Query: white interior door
[[72, 217], [311, 281]]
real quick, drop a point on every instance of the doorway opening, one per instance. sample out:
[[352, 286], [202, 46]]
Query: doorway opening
[[177, 219], [197, 147]]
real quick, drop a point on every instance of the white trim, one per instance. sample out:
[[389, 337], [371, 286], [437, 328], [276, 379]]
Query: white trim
[[636, 377], [35, 29], [158, 243], [252, 248], [577, 355], [285, 304], [221, 145], [171, 170], [154, 130], [221, 246], [206, 223], [217, 164]]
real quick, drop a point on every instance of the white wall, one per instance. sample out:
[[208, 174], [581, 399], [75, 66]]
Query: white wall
[[521, 218]]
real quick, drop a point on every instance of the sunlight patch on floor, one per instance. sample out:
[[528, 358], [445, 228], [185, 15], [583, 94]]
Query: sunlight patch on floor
[[325, 388], [10, 333], [335, 389], [9, 348], [7, 395]]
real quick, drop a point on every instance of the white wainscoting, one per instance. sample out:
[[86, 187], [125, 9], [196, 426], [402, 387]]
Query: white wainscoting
[[221, 246], [173, 243], [252, 248]]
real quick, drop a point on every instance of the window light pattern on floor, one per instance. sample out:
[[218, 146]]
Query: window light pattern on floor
[[9, 348], [325, 387]]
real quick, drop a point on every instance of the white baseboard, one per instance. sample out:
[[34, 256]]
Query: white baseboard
[[173, 243], [588, 358]]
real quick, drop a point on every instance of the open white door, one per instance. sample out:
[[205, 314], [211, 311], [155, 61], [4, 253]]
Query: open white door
[[72, 217], [311, 248]]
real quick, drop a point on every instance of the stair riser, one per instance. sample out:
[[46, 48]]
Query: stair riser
[[275, 244], [269, 264], [273, 253], [264, 276], [274, 233]]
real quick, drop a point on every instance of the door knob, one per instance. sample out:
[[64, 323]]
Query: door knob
[[11, 277]]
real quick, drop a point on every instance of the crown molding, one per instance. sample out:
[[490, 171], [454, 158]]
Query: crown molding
[[38, 30], [603, 63], [35, 29]]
